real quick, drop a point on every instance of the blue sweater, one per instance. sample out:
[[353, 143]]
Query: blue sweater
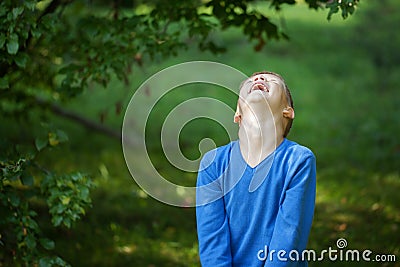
[[246, 215]]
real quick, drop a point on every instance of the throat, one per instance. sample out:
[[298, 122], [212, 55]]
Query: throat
[[256, 152], [255, 146], [259, 136]]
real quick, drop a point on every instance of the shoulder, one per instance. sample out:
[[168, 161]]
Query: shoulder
[[300, 163], [217, 157], [297, 152]]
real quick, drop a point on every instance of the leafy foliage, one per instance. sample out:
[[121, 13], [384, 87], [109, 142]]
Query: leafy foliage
[[67, 196], [346, 6], [51, 51]]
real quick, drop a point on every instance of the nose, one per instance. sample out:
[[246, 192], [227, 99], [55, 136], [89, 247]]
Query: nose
[[259, 78]]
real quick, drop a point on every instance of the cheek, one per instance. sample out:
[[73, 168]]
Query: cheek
[[276, 99], [246, 88], [243, 94]]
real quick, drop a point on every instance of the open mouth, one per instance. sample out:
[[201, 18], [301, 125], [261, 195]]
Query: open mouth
[[260, 86]]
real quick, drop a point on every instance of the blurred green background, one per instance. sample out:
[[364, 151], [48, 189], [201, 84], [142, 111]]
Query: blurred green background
[[343, 75]]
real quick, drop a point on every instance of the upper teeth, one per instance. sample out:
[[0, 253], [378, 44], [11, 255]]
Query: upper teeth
[[260, 86]]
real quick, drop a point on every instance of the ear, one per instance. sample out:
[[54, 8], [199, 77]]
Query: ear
[[238, 116], [288, 112]]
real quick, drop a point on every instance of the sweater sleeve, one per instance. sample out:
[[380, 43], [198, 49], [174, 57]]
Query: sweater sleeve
[[294, 219], [212, 221]]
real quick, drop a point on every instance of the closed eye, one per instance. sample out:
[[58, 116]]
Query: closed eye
[[274, 81]]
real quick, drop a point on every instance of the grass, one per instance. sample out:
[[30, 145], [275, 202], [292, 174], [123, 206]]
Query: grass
[[350, 126]]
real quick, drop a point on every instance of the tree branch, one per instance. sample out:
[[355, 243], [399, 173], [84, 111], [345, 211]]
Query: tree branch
[[89, 124]]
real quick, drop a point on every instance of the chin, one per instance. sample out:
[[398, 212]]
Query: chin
[[257, 96]]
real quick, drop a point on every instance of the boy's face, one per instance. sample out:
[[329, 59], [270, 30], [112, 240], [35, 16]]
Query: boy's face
[[264, 88]]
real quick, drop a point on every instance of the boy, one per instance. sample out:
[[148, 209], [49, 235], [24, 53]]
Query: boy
[[256, 195]]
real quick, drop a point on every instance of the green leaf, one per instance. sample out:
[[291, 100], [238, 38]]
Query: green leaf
[[30, 5], [27, 179], [62, 136], [12, 44], [53, 141], [30, 223], [47, 243], [2, 40], [49, 22], [3, 9], [41, 143], [60, 262], [32, 213], [52, 261], [45, 262], [17, 11], [84, 193], [57, 137], [65, 200], [14, 200], [57, 220], [21, 59], [30, 241], [4, 82], [36, 33], [60, 209], [67, 222]]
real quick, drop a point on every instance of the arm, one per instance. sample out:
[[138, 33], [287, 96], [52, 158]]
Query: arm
[[212, 222], [294, 219]]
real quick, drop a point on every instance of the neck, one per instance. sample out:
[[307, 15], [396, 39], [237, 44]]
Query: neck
[[259, 135]]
